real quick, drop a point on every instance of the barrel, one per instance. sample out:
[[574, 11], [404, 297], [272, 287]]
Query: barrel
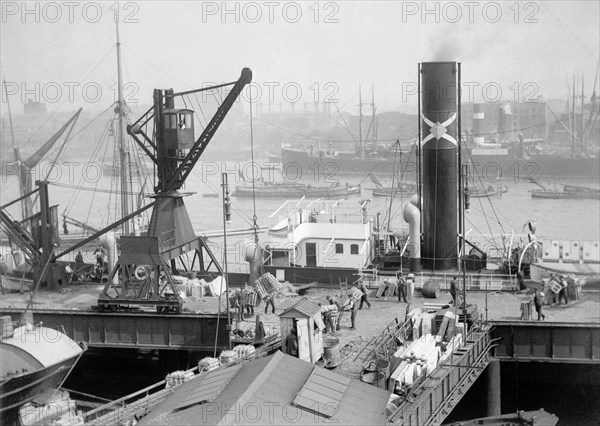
[[431, 290], [331, 352], [380, 366], [374, 378], [6, 326]]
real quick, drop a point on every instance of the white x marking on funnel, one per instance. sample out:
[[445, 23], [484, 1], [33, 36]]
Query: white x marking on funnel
[[438, 130]]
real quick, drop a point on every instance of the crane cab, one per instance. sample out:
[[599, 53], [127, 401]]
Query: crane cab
[[179, 129]]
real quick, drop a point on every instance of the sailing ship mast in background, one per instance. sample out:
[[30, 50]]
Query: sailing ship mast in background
[[123, 151], [360, 119]]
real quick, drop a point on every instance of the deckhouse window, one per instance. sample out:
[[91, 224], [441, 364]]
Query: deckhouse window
[[353, 248], [339, 249]]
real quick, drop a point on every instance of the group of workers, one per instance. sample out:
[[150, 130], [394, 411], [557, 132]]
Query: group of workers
[[245, 307], [538, 297]]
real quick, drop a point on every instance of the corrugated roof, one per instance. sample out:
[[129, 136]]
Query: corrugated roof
[[262, 391], [304, 307]]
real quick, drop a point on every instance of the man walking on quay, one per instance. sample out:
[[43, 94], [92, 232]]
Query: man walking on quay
[[365, 297], [401, 287], [538, 302], [353, 309], [454, 290], [270, 300]]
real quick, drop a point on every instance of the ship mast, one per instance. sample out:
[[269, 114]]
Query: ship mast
[[573, 120], [583, 141], [373, 117], [360, 119], [123, 153]]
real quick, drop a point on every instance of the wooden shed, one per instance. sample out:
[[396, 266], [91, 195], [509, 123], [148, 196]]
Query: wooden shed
[[305, 316]]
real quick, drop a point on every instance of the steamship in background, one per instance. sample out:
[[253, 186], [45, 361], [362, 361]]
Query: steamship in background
[[357, 243], [522, 140]]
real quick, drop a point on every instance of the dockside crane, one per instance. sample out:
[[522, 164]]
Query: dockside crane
[[143, 274]]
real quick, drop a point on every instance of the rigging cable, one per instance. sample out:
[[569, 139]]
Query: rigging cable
[[94, 193], [255, 225]]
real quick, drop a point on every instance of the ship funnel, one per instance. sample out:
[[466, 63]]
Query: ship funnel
[[478, 124], [505, 122], [439, 83]]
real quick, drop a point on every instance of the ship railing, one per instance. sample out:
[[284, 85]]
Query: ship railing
[[488, 283]]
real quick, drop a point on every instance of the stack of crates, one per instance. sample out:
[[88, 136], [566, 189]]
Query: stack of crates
[[208, 364], [267, 285], [228, 356], [245, 351]]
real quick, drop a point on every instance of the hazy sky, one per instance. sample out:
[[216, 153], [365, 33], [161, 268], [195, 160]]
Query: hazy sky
[[302, 51]]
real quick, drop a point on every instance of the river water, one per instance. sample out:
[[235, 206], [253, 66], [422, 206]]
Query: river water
[[556, 219]]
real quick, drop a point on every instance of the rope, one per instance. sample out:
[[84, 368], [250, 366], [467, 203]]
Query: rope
[[94, 193], [255, 225]]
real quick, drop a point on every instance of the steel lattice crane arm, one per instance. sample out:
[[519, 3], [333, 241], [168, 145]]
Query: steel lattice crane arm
[[186, 166]]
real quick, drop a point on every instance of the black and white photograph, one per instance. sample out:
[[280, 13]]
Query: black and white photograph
[[197, 198]]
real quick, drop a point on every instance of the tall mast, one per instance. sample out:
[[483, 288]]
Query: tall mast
[[360, 117], [123, 157], [373, 118], [574, 123], [583, 141]]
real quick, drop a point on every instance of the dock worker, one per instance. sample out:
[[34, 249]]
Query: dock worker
[[335, 322], [401, 287], [270, 300], [538, 302], [353, 309], [365, 297], [291, 343], [410, 286], [234, 301], [259, 329], [334, 301], [562, 294], [247, 307], [454, 290], [100, 253]]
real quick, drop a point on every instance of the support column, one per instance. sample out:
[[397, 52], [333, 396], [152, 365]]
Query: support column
[[493, 392]]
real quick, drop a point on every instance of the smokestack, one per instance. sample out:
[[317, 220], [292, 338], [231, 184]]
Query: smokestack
[[478, 124], [505, 122], [439, 145]]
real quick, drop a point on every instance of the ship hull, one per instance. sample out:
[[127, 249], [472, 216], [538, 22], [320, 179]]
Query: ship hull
[[296, 191], [490, 167], [16, 391]]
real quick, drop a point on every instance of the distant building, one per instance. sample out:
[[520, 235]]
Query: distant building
[[301, 117], [507, 119], [34, 108]]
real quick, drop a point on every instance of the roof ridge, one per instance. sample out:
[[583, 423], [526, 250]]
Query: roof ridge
[[255, 385]]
